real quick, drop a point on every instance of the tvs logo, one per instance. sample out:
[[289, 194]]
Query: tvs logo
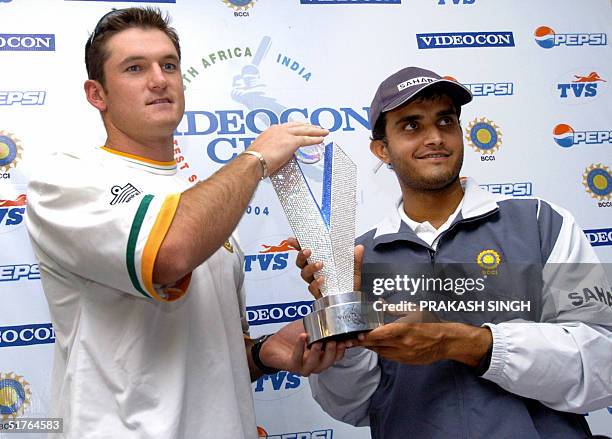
[[566, 136], [484, 137], [488, 88], [597, 181], [465, 39], [15, 395], [269, 259], [548, 38], [278, 386], [26, 335], [27, 42], [315, 434], [12, 212], [523, 189], [10, 153], [599, 237], [580, 87], [22, 97]]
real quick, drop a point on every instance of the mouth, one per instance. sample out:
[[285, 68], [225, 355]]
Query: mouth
[[434, 155], [160, 101]]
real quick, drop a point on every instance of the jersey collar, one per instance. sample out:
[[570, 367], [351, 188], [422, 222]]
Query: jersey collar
[[134, 161]]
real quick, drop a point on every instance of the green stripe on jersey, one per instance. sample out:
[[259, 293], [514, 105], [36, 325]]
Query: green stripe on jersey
[[133, 238]]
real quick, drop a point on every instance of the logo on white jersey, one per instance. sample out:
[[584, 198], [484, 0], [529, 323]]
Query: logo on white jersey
[[123, 194]]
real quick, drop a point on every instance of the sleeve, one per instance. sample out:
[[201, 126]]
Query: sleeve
[[565, 360], [73, 223], [344, 390]]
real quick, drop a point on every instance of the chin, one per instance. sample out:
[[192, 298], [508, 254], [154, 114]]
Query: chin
[[431, 183]]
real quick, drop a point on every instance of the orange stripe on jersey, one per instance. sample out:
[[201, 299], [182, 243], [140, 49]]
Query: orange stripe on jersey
[[138, 158], [156, 236]]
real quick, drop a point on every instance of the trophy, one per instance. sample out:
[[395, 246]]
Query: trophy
[[328, 230]]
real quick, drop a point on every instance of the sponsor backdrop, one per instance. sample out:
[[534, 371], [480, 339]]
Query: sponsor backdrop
[[539, 126]]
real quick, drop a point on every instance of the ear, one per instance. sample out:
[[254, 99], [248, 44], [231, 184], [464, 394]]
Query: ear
[[379, 149], [94, 92]]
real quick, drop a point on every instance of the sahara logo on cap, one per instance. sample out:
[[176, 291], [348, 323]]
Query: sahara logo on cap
[[415, 81]]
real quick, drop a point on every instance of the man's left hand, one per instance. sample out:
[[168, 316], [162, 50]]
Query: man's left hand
[[425, 343]]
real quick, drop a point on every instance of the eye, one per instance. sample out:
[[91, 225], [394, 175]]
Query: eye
[[133, 68], [411, 125], [169, 67], [446, 121]]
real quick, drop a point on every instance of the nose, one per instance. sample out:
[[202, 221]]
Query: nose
[[157, 78], [433, 136]]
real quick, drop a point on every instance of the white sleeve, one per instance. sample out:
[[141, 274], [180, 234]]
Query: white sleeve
[[564, 361], [74, 225], [344, 390]]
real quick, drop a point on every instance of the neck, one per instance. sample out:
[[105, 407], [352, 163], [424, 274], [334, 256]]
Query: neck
[[434, 206], [160, 149]]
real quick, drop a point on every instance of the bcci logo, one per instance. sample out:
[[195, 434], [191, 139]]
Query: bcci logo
[[10, 153], [240, 6], [597, 181], [14, 395], [488, 260], [484, 137]]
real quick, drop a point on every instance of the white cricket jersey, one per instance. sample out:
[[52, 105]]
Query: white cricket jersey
[[133, 359]]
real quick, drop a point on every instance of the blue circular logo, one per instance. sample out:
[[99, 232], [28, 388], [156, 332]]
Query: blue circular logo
[[598, 181], [14, 395], [8, 150], [484, 136]]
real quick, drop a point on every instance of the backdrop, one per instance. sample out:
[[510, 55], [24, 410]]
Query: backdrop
[[539, 125]]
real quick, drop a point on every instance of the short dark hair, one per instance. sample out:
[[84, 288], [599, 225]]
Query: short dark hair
[[119, 20], [430, 93]]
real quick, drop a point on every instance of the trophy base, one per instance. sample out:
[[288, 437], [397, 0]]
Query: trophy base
[[341, 317]]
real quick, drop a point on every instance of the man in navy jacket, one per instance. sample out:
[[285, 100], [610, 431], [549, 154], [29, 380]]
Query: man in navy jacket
[[529, 372]]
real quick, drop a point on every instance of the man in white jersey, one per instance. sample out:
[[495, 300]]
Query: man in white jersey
[[142, 275]]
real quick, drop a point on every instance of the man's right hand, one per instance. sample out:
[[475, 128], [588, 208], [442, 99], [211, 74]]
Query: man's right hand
[[309, 270], [278, 143]]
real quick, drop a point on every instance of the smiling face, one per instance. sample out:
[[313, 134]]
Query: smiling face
[[143, 96], [424, 144]]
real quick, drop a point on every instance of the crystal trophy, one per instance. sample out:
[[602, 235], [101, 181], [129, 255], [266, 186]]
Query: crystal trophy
[[328, 230]]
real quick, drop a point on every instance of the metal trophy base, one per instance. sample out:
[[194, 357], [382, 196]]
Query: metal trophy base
[[341, 316]]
